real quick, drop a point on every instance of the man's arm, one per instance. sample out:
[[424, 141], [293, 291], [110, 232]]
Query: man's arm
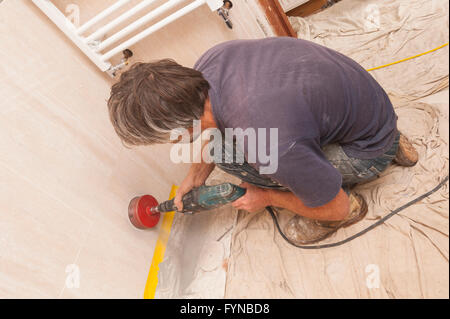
[[197, 175], [257, 198], [314, 182]]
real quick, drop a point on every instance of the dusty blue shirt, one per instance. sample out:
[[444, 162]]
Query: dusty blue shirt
[[312, 94]]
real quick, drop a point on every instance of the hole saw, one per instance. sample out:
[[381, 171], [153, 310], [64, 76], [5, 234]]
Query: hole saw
[[144, 211]]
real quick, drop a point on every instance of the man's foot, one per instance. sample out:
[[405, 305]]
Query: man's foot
[[303, 231], [406, 154]]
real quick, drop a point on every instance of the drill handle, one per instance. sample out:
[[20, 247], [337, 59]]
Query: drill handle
[[188, 204], [205, 198]]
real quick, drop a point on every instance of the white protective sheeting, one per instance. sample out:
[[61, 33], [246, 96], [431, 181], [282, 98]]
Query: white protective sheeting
[[407, 257]]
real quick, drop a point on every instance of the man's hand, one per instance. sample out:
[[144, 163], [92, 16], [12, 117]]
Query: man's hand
[[257, 198], [197, 175], [254, 199]]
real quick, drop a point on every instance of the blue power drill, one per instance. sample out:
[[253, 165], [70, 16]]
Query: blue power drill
[[204, 198], [144, 211]]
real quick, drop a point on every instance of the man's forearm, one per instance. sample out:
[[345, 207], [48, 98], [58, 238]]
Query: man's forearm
[[337, 209], [200, 172]]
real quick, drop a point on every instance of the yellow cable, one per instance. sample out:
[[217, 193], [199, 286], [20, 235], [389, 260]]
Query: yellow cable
[[412, 57]]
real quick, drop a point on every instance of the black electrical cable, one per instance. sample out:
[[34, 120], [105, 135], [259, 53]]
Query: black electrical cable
[[362, 232]]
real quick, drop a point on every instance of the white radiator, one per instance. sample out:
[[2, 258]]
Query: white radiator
[[95, 48]]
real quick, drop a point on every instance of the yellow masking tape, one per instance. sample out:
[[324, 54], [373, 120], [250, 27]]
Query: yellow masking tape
[[160, 249]]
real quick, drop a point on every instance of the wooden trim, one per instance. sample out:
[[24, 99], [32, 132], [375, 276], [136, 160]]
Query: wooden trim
[[307, 8], [277, 19]]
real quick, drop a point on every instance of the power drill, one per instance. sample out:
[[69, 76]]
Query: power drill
[[144, 211]]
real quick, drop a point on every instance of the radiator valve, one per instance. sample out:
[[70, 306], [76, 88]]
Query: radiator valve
[[224, 12], [127, 54]]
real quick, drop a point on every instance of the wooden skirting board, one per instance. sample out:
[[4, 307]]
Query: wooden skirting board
[[307, 8], [277, 18]]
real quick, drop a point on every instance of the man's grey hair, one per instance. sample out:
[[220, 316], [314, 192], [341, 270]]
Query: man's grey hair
[[151, 99]]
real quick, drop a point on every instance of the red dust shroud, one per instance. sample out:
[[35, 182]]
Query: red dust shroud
[[141, 214]]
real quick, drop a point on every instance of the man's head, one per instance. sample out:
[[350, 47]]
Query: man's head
[[151, 99]]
